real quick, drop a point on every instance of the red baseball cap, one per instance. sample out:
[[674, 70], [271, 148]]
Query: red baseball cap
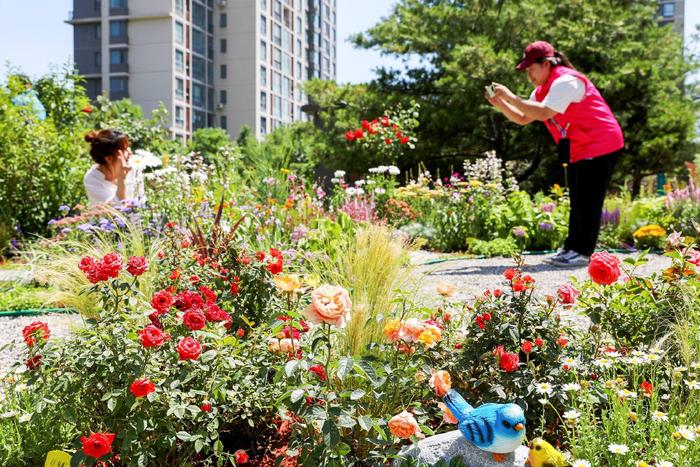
[[534, 52]]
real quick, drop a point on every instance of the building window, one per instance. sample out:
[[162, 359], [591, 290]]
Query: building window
[[297, 75], [199, 119], [223, 46], [263, 125], [287, 87], [222, 122], [118, 84], [198, 42], [198, 95], [298, 31], [277, 10], [117, 56], [668, 10], [98, 31], [117, 28], [98, 59], [263, 102], [277, 106], [276, 34], [222, 96], [199, 69], [222, 73], [263, 76], [98, 5], [179, 33], [117, 4], [263, 5], [276, 83], [263, 26], [276, 58], [179, 7], [263, 51], [179, 116], [179, 88], [199, 16], [179, 60], [222, 20], [287, 64]]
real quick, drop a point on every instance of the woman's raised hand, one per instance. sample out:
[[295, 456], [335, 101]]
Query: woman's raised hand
[[502, 92]]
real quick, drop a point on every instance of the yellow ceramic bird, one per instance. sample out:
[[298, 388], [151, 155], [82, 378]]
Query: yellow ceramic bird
[[543, 454]]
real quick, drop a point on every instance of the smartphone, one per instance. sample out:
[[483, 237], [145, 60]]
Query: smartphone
[[489, 90]]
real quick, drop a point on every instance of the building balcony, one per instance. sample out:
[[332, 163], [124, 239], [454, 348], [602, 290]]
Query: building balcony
[[118, 12], [118, 67]]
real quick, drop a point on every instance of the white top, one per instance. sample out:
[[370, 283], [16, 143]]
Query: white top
[[564, 90], [100, 190]]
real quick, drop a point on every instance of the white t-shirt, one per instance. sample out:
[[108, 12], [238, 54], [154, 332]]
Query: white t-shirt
[[100, 190], [564, 90]]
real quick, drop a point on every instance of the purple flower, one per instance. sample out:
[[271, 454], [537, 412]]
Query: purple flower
[[545, 225], [85, 227], [301, 231], [65, 230], [548, 207], [64, 208], [52, 222], [519, 232]]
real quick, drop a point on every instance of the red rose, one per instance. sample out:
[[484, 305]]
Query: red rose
[[458, 345], [194, 320], [387, 141], [162, 301], [291, 332], [509, 362], [187, 300], [194, 279], [404, 139], [604, 268], [111, 264], [276, 267], [209, 295], [539, 342], [260, 255], [240, 456], [359, 134], [142, 387], [36, 330], [95, 274], [562, 341], [234, 288], [385, 121], [365, 124], [349, 136], [510, 273], [214, 313], [174, 275], [647, 388], [528, 279], [151, 336], [275, 253], [319, 371], [240, 333], [526, 346], [86, 263], [34, 362], [189, 348], [498, 351], [205, 407], [98, 444], [518, 285], [137, 265], [497, 293], [567, 294]]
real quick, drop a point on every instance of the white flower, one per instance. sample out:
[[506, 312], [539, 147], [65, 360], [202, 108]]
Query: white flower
[[142, 159], [360, 191], [613, 354], [9, 414], [618, 448], [339, 174], [335, 180], [693, 385], [571, 387], [379, 191], [393, 170], [359, 182], [635, 360], [580, 463], [674, 239], [626, 394], [659, 416], [680, 369], [603, 362], [350, 191], [572, 415], [544, 388], [664, 464], [570, 362], [269, 180], [24, 418], [686, 433]]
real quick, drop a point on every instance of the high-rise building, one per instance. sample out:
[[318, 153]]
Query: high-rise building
[[225, 63], [672, 12]]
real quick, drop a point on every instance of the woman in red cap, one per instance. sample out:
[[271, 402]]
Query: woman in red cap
[[587, 134]]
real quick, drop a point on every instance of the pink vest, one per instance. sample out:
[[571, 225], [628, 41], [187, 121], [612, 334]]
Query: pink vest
[[592, 127]]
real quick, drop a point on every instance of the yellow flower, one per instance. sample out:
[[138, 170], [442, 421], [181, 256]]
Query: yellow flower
[[430, 336], [475, 183], [641, 464], [651, 230], [633, 416], [288, 283], [391, 329]]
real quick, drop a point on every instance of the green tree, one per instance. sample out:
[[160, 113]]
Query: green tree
[[463, 45]]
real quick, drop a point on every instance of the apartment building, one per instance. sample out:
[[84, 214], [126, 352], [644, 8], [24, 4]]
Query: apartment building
[[672, 12], [225, 63]]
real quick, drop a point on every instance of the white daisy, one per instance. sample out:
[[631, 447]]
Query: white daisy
[[693, 385], [626, 394], [572, 415], [393, 170], [570, 362], [659, 416], [142, 159], [339, 173], [686, 433], [680, 369], [544, 388], [635, 360], [603, 362], [618, 448], [571, 387], [580, 463], [613, 354], [664, 464]]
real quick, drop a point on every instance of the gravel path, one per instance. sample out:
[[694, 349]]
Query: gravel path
[[470, 276]]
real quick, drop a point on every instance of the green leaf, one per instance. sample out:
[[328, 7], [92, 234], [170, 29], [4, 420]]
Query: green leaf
[[365, 422], [331, 435], [346, 421], [296, 395], [111, 404], [290, 366], [218, 447], [365, 367], [344, 366], [184, 436], [208, 356], [198, 445], [357, 394]]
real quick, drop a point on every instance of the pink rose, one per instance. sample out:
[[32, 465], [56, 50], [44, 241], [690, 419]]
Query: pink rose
[[329, 304], [567, 294], [604, 268], [411, 330]]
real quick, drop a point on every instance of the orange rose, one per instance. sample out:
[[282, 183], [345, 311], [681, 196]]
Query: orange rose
[[329, 304], [441, 382], [447, 416], [288, 283], [391, 330], [404, 425], [445, 289], [411, 330], [430, 336], [283, 346]]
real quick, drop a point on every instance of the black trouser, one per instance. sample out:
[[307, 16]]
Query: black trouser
[[588, 182]]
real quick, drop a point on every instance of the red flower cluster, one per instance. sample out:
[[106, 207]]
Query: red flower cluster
[[526, 347], [482, 319], [647, 388], [209, 295], [35, 331], [276, 266], [319, 371], [509, 362], [142, 387], [137, 265], [518, 282], [214, 313], [562, 341], [194, 319], [98, 444], [162, 301], [381, 126], [151, 336], [604, 268], [188, 300], [97, 271]]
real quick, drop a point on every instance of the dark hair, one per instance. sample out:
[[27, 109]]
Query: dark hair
[[105, 143], [559, 58]]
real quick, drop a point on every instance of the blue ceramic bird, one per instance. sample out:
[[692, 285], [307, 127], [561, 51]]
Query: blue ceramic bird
[[496, 428]]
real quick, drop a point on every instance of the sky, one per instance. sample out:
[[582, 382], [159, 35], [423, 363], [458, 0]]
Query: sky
[[35, 37]]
